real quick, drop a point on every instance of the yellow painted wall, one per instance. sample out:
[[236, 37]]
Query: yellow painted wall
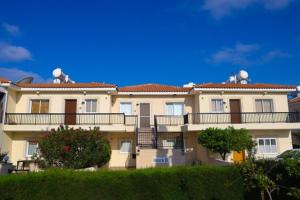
[[247, 101], [157, 103]]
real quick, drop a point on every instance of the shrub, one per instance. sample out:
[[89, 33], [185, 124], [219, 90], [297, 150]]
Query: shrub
[[202, 182], [278, 178], [223, 141], [75, 148]]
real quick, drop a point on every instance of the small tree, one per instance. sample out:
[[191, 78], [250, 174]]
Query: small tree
[[75, 148], [223, 141]]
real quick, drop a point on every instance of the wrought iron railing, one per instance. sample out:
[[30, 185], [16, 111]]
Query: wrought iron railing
[[246, 117], [228, 118], [69, 119], [169, 120], [170, 140]]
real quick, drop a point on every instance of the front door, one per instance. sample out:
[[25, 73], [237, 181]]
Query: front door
[[235, 110], [238, 156], [144, 115], [70, 111]]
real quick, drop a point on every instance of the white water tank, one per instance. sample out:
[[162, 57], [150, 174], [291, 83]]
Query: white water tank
[[243, 75], [60, 77]]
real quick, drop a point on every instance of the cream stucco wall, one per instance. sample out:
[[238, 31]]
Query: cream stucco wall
[[280, 101], [16, 145], [12, 102], [193, 152], [57, 101], [198, 102], [5, 141], [283, 139], [119, 159], [157, 103]]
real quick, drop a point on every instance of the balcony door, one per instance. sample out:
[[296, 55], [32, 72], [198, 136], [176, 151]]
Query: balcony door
[[70, 111], [145, 115], [235, 110]]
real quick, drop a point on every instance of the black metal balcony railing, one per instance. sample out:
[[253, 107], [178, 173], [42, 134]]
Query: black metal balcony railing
[[69, 119], [228, 118], [247, 117], [169, 120]]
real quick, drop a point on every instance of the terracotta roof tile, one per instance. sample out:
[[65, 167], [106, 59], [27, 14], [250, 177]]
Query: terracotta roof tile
[[242, 86], [295, 100], [66, 85], [153, 88], [4, 80]]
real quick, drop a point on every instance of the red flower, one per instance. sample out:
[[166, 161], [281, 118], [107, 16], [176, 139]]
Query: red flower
[[66, 148]]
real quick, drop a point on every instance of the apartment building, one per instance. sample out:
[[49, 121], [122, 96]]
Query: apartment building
[[294, 106], [147, 125]]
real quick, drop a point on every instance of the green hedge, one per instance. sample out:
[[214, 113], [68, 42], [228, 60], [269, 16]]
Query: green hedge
[[202, 182]]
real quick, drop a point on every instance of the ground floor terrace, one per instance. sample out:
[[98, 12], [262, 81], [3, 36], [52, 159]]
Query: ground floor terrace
[[164, 148]]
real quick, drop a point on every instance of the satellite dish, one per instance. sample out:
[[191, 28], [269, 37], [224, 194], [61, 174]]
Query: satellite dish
[[28, 79], [232, 79]]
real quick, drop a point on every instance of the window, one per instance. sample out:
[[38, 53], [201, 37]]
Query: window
[[125, 146], [267, 145], [217, 105], [174, 109], [40, 106], [264, 105], [91, 105], [126, 108], [32, 148]]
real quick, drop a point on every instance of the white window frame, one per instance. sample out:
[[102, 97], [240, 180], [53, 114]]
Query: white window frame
[[174, 103], [267, 153], [128, 103], [262, 100], [120, 144], [86, 100], [30, 107], [27, 148], [212, 106]]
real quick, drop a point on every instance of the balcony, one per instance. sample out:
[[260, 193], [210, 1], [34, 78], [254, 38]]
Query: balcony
[[242, 118], [38, 121], [250, 120]]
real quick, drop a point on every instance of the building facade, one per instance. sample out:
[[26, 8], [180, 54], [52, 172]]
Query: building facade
[[147, 125], [294, 106]]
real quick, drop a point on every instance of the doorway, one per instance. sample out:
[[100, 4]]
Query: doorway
[[238, 156], [235, 111], [144, 115], [70, 111]]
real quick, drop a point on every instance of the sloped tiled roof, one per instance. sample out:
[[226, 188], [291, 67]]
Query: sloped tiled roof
[[153, 88], [4, 80], [295, 100], [244, 86], [66, 85]]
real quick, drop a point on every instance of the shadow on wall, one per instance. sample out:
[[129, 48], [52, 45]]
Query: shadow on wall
[[166, 154], [119, 159]]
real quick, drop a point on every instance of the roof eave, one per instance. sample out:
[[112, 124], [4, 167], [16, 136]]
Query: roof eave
[[247, 89], [153, 93]]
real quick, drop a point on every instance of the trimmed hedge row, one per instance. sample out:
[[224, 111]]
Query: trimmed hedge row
[[201, 182]]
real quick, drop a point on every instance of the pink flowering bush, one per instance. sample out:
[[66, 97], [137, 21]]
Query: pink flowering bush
[[74, 148]]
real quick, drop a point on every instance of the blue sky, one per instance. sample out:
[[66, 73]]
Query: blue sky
[[157, 41]]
